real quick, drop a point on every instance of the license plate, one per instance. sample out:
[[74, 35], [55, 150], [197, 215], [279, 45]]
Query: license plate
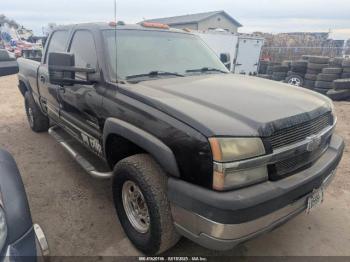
[[315, 199]]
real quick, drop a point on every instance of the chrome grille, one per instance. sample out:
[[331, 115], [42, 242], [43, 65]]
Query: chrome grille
[[300, 132], [291, 165]]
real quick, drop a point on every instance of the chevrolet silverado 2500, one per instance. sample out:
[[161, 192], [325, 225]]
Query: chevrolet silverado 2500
[[192, 149]]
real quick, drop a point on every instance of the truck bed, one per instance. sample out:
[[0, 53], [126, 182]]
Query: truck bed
[[28, 69]]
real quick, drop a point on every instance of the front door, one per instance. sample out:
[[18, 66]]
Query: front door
[[48, 92], [80, 104]]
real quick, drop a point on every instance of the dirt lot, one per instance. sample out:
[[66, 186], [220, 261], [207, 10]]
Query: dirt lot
[[78, 215]]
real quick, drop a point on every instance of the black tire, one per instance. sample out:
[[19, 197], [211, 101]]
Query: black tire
[[314, 71], [264, 76], [144, 171], [310, 84], [332, 70], [269, 70], [338, 95], [305, 57], [345, 75], [341, 84], [324, 84], [319, 59], [295, 80], [299, 69], [336, 61], [299, 63], [280, 69], [327, 77], [315, 66], [279, 76], [262, 68], [346, 63], [321, 90], [295, 73], [38, 122], [287, 63], [311, 77]]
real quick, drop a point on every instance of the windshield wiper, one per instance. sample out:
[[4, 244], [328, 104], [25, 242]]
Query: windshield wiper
[[206, 69], [154, 74]]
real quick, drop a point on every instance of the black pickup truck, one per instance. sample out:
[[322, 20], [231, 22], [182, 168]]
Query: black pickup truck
[[192, 149]]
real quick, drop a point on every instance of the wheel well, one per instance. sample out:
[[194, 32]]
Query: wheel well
[[118, 148], [22, 87]]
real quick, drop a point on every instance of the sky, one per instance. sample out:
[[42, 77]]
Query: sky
[[271, 16]]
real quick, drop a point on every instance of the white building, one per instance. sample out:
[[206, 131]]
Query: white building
[[202, 21]]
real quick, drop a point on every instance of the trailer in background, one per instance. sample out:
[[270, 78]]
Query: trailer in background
[[244, 50]]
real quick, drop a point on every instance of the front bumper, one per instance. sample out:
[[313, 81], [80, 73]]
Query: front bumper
[[221, 220]]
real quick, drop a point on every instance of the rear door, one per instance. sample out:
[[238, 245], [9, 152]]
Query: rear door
[[80, 104], [248, 54], [49, 93]]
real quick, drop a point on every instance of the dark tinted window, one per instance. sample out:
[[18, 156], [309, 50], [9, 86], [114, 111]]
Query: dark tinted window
[[58, 42], [83, 47]]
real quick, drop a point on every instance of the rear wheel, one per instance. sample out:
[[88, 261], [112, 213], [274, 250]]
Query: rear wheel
[[38, 122], [139, 190]]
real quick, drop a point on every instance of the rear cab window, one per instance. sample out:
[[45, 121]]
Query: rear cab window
[[58, 43]]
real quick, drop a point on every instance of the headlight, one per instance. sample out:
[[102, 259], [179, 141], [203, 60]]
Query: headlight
[[234, 149], [3, 228]]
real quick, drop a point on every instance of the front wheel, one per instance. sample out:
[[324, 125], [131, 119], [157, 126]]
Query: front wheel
[[139, 190]]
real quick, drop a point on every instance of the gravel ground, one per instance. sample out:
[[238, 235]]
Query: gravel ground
[[78, 216]]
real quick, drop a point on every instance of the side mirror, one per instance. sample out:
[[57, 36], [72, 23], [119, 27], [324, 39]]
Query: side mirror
[[8, 64], [62, 70], [226, 60]]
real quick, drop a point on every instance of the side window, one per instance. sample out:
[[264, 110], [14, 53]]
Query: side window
[[84, 49], [57, 43]]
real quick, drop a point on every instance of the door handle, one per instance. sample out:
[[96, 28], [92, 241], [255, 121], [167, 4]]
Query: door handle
[[62, 89], [42, 79]]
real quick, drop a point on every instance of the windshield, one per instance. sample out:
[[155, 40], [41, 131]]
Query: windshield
[[144, 52]]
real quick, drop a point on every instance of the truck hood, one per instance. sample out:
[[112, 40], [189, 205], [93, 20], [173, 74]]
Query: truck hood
[[231, 105]]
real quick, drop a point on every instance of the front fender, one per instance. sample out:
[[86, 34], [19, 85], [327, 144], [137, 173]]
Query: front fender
[[161, 153]]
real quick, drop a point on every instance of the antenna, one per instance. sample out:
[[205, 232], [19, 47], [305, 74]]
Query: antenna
[[115, 35]]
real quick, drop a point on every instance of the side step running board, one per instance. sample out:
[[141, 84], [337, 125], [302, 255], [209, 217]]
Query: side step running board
[[87, 160]]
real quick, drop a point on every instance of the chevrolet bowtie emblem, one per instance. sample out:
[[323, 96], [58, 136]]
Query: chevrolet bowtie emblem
[[314, 142]]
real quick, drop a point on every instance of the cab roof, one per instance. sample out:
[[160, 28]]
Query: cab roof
[[106, 26]]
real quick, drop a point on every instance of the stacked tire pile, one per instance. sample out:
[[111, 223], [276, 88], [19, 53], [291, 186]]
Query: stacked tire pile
[[341, 87], [315, 66], [346, 69], [270, 69], [263, 67], [297, 73], [279, 72], [324, 80]]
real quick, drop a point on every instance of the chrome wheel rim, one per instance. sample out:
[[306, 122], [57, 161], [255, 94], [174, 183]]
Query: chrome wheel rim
[[294, 81], [30, 116], [135, 207]]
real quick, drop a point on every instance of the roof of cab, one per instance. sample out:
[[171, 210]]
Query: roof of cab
[[106, 26]]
